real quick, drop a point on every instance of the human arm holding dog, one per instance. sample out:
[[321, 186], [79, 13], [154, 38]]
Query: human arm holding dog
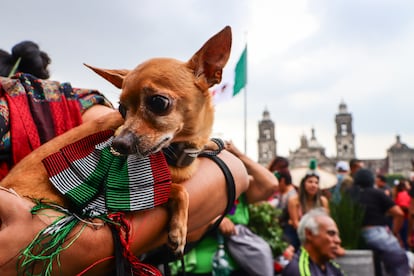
[[18, 226]]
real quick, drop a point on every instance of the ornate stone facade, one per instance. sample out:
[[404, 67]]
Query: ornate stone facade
[[400, 157], [307, 150]]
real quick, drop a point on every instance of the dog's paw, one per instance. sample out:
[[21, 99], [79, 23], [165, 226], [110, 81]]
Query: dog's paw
[[178, 206], [177, 240]]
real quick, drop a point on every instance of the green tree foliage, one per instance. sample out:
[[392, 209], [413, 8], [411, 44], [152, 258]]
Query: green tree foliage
[[264, 221], [348, 216]]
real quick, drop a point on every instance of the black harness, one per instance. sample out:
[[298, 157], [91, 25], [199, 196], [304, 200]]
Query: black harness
[[182, 154]]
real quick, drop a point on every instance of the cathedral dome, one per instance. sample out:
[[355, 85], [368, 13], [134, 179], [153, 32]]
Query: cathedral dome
[[313, 143], [398, 145]]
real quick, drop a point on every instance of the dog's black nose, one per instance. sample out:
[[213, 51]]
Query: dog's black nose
[[125, 143]]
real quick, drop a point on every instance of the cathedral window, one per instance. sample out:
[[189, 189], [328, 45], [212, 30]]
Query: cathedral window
[[344, 130], [266, 133]]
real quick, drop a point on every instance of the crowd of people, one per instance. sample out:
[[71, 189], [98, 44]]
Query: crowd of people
[[386, 206], [311, 234]]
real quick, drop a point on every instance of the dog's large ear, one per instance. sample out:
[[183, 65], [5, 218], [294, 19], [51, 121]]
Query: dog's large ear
[[114, 76], [210, 60]]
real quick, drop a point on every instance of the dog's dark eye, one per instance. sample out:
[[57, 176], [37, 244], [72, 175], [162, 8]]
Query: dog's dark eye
[[159, 104], [122, 109]]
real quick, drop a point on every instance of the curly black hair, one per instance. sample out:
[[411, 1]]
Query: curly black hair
[[32, 60]]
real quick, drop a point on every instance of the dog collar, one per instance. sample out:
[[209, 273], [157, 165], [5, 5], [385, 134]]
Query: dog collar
[[180, 155]]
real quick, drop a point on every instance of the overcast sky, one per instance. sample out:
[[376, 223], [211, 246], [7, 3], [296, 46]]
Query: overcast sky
[[304, 58]]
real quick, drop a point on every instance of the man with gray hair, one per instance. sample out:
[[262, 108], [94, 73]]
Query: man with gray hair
[[320, 241]]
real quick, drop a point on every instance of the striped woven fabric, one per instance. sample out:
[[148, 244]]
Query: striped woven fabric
[[96, 182]]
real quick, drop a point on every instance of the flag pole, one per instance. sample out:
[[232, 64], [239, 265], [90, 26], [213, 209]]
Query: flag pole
[[245, 100], [245, 120], [240, 81]]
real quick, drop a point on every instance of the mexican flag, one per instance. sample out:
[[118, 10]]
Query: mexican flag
[[232, 83]]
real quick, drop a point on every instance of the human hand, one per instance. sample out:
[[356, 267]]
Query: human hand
[[17, 229], [227, 227], [340, 251], [289, 252], [229, 145]]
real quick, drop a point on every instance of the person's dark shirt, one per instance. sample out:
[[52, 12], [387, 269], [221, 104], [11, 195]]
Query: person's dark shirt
[[375, 203], [293, 268], [385, 189]]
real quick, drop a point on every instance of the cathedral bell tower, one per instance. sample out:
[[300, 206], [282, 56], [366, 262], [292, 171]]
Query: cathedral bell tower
[[345, 145], [266, 141]]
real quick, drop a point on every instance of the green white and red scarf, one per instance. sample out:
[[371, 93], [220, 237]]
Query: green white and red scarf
[[97, 182]]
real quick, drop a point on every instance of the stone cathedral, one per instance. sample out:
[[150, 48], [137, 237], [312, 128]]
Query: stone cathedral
[[399, 159]]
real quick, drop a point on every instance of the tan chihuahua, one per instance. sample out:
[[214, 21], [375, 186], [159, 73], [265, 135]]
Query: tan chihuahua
[[164, 103]]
